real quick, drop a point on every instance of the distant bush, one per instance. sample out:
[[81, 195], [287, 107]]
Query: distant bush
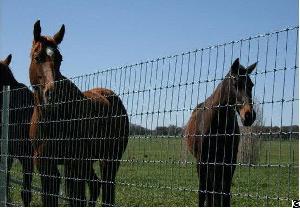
[[248, 152]]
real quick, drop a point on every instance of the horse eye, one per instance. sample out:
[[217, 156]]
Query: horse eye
[[235, 82], [38, 59]]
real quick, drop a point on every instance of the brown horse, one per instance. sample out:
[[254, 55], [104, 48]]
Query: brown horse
[[212, 134], [73, 128], [20, 111]]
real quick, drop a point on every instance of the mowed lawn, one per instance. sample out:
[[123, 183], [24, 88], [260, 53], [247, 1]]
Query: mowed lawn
[[160, 172]]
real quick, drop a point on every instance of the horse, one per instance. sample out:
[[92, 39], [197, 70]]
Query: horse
[[73, 128], [20, 111], [212, 134]]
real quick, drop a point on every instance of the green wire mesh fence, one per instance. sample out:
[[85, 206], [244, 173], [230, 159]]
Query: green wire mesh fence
[[87, 142]]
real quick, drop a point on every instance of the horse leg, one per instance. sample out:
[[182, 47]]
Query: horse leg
[[50, 181], [210, 185], [228, 175], [217, 179], [94, 185], [27, 166], [201, 169], [75, 183], [108, 172], [9, 166]]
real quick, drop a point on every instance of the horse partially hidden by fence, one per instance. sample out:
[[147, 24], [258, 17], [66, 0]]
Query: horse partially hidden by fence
[[212, 134], [20, 111], [73, 128]]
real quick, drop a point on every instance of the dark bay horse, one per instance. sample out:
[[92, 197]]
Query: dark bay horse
[[73, 128], [212, 134], [20, 111]]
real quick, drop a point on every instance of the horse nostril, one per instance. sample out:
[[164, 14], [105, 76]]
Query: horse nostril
[[48, 94], [247, 115]]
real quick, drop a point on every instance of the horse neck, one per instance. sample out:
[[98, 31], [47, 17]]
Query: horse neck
[[216, 98], [10, 80], [17, 91], [73, 92], [217, 106], [70, 98]]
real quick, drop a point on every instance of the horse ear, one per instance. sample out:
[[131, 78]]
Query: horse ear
[[251, 68], [235, 66], [58, 37], [37, 30], [7, 60]]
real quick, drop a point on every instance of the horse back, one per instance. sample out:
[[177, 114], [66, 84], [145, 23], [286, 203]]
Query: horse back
[[100, 95]]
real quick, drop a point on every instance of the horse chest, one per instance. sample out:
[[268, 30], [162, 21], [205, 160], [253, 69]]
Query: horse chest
[[222, 139]]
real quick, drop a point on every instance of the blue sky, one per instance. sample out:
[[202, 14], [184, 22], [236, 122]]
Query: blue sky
[[107, 34], [102, 34]]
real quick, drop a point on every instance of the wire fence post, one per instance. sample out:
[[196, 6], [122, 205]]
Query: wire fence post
[[4, 145]]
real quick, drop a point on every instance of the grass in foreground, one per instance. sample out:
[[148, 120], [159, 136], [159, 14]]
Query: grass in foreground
[[152, 176]]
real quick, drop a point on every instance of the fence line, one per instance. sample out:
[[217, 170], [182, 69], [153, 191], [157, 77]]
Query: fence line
[[4, 145], [160, 95]]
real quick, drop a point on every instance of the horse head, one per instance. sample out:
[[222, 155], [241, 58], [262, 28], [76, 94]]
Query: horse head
[[239, 88], [45, 63]]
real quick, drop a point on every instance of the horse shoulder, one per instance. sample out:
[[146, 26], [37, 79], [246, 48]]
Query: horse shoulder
[[193, 132]]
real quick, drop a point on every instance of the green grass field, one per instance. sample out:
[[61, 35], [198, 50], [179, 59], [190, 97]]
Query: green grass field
[[151, 175]]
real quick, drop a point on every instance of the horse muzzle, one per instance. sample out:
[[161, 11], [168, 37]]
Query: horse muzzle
[[248, 118], [48, 96]]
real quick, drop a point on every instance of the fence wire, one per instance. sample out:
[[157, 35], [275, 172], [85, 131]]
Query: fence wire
[[159, 96]]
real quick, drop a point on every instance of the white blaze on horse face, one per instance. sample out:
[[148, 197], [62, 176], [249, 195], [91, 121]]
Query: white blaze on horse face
[[47, 68], [49, 51]]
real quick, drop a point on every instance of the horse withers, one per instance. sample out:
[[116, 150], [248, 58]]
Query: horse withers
[[73, 128], [212, 134], [20, 111]]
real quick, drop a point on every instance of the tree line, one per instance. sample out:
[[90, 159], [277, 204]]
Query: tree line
[[263, 132]]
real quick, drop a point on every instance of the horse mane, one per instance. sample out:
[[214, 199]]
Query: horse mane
[[214, 100]]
